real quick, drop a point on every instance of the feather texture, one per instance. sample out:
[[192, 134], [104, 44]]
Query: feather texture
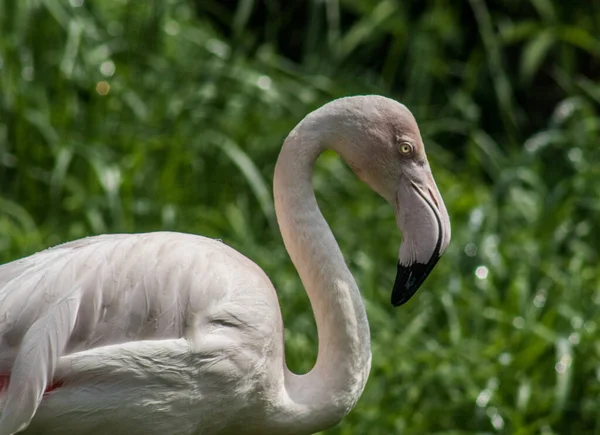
[[78, 312], [42, 346]]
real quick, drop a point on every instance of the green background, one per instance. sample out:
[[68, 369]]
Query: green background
[[131, 116]]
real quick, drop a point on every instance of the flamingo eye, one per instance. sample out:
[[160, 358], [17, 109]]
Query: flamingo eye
[[406, 148]]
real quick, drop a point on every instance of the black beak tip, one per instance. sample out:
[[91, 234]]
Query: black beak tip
[[409, 279]]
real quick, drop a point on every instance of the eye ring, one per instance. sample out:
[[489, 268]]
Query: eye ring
[[406, 148]]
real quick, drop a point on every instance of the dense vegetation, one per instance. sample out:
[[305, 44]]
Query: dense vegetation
[[123, 116]]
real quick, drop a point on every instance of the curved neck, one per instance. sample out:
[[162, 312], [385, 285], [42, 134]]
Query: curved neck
[[320, 398]]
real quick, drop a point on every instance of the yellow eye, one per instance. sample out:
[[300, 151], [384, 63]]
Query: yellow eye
[[406, 148]]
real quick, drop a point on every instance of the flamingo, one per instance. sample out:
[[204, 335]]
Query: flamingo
[[164, 332]]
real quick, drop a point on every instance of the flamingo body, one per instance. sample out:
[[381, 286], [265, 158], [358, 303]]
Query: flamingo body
[[182, 301]]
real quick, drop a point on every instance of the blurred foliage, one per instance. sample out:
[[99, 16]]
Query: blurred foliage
[[124, 116]]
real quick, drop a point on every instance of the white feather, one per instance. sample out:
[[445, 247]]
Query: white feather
[[35, 362]]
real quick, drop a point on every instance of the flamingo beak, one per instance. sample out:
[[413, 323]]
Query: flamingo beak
[[422, 217]]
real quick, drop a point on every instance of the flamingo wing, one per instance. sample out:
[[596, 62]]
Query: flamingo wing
[[113, 290]]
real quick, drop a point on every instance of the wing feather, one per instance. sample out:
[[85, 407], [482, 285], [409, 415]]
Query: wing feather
[[36, 360]]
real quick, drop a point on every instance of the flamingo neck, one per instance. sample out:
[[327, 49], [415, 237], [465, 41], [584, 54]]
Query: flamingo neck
[[323, 396]]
